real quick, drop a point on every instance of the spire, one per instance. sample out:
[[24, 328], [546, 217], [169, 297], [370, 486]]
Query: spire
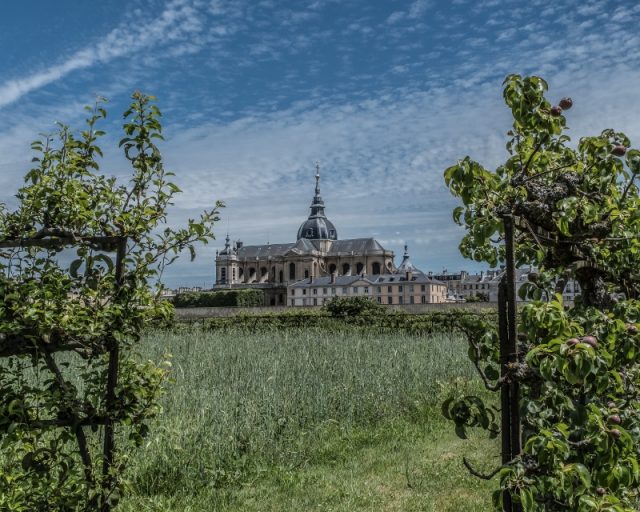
[[317, 226]]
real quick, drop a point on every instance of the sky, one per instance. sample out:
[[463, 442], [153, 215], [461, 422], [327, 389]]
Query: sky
[[384, 94]]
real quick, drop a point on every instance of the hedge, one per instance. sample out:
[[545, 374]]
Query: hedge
[[223, 298]]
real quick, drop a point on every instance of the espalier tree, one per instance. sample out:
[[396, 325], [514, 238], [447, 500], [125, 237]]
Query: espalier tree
[[576, 212], [78, 257]]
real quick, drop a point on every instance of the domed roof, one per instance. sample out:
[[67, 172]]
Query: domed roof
[[317, 226]]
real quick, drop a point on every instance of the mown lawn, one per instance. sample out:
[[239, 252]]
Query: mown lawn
[[302, 420]]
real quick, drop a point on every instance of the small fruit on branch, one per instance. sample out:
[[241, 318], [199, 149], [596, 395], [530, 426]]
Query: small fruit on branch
[[615, 419], [615, 433], [590, 340], [556, 111], [632, 329], [618, 150], [573, 341], [566, 103]]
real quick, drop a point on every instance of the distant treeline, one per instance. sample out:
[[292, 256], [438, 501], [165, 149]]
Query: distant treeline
[[223, 298]]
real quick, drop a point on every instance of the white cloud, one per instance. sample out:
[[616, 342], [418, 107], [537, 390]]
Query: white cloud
[[174, 24]]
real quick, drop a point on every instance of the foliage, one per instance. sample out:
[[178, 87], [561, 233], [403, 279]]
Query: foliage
[[68, 310], [435, 322], [577, 214], [223, 298], [353, 306]]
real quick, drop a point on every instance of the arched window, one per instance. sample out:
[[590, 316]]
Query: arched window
[[332, 268], [263, 271], [240, 272], [306, 273], [292, 271], [273, 274], [345, 269], [252, 274], [375, 268], [359, 267], [281, 276]]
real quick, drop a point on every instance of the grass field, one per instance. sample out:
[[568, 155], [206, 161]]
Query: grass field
[[308, 421]]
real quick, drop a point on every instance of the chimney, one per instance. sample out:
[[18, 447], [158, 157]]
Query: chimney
[[409, 275], [333, 278]]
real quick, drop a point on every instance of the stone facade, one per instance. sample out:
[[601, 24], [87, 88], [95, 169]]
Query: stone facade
[[317, 253]]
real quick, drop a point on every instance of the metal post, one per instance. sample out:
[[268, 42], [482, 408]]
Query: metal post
[[511, 347], [505, 402], [112, 382]]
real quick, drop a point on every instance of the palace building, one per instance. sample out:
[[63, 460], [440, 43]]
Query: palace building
[[317, 254]]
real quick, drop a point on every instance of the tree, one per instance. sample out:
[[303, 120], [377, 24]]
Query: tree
[[577, 216], [69, 324]]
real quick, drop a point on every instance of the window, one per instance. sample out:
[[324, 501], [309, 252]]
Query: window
[[309, 232], [281, 276], [355, 290], [306, 273], [293, 302], [345, 269], [293, 292], [332, 233], [379, 300], [423, 288], [359, 267], [333, 291], [379, 289], [366, 289], [390, 300], [375, 268], [424, 299], [345, 291], [400, 289], [223, 274], [233, 274], [315, 291], [304, 291], [389, 289], [315, 301], [292, 271], [324, 291], [332, 268], [411, 300], [400, 300]]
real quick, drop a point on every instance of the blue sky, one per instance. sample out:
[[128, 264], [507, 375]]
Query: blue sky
[[384, 94]]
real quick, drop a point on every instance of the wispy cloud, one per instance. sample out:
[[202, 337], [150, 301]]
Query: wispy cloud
[[174, 24]]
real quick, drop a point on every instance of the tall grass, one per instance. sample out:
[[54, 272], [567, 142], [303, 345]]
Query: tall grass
[[241, 404]]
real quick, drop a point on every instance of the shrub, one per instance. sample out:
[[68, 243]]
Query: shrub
[[353, 306], [223, 298]]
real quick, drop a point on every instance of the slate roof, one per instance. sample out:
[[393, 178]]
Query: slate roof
[[263, 251], [419, 278], [356, 246]]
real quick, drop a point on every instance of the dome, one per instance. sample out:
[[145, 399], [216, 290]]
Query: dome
[[317, 226]]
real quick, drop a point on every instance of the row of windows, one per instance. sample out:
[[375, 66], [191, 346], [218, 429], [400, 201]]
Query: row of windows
[[358, 290], [381, 300]]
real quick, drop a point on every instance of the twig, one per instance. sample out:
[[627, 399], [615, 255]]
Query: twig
[[483, 476]]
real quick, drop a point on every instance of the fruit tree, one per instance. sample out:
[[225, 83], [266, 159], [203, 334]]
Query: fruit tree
[[576, 212]]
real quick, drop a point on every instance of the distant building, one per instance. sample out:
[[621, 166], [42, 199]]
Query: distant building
[[406, 285], [317, 253], [463, 285]]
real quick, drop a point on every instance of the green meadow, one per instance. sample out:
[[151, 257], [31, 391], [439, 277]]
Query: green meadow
[[303, 419]]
